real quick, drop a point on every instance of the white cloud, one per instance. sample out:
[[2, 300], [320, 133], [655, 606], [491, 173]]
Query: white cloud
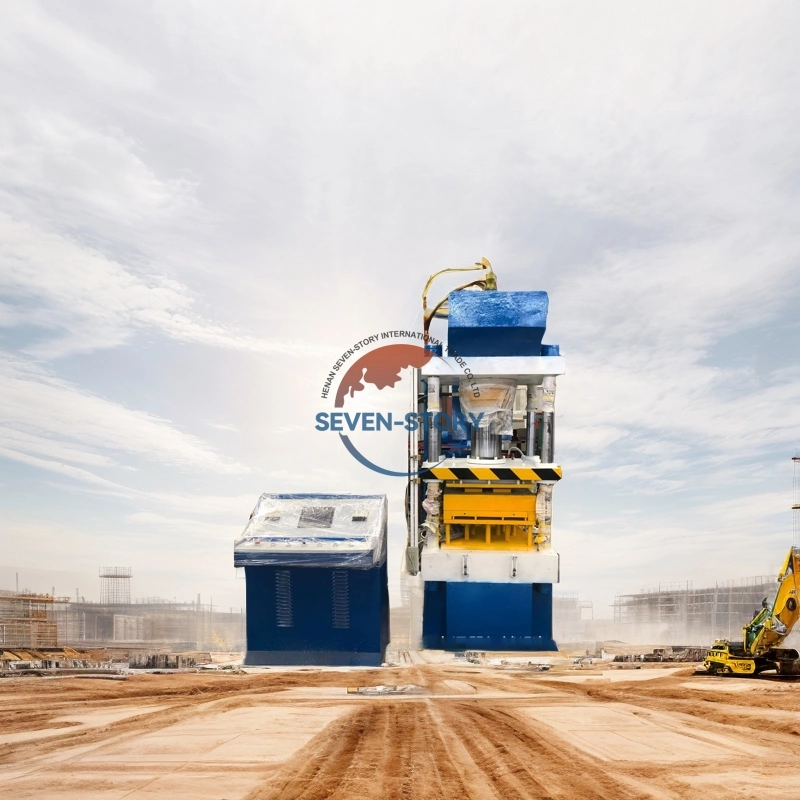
[[227, 427], [198, 529], [626, 552], [748, 511], [646, 404], [45, 416], [82, 176], [29, 32], [94, 302], [76, 473]]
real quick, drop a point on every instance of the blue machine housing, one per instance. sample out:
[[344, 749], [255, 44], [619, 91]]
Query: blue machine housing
[[317, 586], [496, 323]]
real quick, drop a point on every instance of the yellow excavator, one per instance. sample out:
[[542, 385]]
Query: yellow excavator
[[760, 649]]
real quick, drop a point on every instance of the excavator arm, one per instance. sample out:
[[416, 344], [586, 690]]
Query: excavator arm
[[773, 623], [760, 649]]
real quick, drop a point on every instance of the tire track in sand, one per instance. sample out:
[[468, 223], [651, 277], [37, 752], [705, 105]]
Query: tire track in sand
[[438, 749], [382, 751], [524, 763]]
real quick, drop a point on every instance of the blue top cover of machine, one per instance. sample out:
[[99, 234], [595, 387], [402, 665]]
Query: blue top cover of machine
[[495, 323], [315, 530]]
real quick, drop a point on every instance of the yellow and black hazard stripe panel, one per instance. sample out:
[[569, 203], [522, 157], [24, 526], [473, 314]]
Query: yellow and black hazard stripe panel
[[475, 473]]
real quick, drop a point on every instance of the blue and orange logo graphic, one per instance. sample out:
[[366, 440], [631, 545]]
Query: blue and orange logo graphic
[[382, 369]]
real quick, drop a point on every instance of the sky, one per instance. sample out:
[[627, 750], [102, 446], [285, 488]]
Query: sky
[[202, 205]]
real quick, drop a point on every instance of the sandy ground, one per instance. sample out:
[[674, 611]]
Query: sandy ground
[[474, 732]]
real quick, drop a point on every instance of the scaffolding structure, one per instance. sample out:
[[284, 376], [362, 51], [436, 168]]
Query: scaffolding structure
[[678, 613], [42, 621], [27, 621], [115, 585], [150, 623]]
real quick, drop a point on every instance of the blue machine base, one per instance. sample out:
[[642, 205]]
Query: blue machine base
[[318, 658], [488, 616]]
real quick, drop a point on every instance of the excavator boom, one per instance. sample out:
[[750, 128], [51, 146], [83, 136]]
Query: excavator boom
[[772, 624], [760, 648]]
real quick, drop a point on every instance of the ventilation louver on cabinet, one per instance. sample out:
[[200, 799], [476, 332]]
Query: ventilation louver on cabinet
[[341, 600], [284, 618]]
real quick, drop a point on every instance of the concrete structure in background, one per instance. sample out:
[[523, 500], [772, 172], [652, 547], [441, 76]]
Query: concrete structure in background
[[29, 620], [150, 623], [573, 618], [677, 613]]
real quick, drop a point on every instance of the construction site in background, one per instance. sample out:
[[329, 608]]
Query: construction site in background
[[37, 628]]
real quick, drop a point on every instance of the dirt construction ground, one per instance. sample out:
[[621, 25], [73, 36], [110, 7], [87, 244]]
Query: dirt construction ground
[[475, 732]]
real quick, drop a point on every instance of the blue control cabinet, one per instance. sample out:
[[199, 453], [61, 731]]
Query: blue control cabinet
[[317, 587]]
